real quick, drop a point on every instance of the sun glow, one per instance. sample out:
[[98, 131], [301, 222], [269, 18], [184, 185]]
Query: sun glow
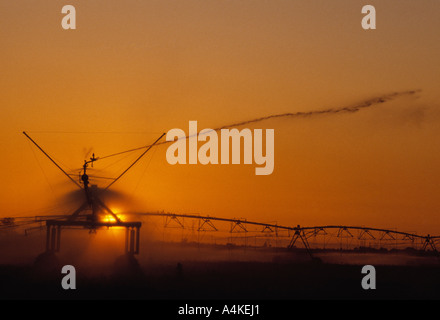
[[109, 218]]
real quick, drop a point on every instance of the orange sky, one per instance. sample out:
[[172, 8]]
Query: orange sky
[[140, 68]]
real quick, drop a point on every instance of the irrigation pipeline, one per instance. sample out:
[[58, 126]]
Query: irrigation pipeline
[[11, 222]]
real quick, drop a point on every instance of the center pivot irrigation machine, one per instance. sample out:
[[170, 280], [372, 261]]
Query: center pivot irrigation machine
[[93, 214]]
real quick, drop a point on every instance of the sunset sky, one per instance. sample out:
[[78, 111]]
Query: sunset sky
[[134, 69]]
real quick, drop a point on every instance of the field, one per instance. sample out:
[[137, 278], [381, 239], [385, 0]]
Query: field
[[186, 272]]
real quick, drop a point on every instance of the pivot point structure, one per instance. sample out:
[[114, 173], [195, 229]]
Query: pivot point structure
[[90, 214]]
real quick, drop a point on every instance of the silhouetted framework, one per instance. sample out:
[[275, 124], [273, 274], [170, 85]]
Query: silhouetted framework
[[53, 235], [88, 215], [299, 234]]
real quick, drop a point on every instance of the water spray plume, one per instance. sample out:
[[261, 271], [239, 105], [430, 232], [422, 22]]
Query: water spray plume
[[331, 111], [349, 109]]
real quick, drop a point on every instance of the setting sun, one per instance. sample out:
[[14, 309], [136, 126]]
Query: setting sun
[[109, 218]]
